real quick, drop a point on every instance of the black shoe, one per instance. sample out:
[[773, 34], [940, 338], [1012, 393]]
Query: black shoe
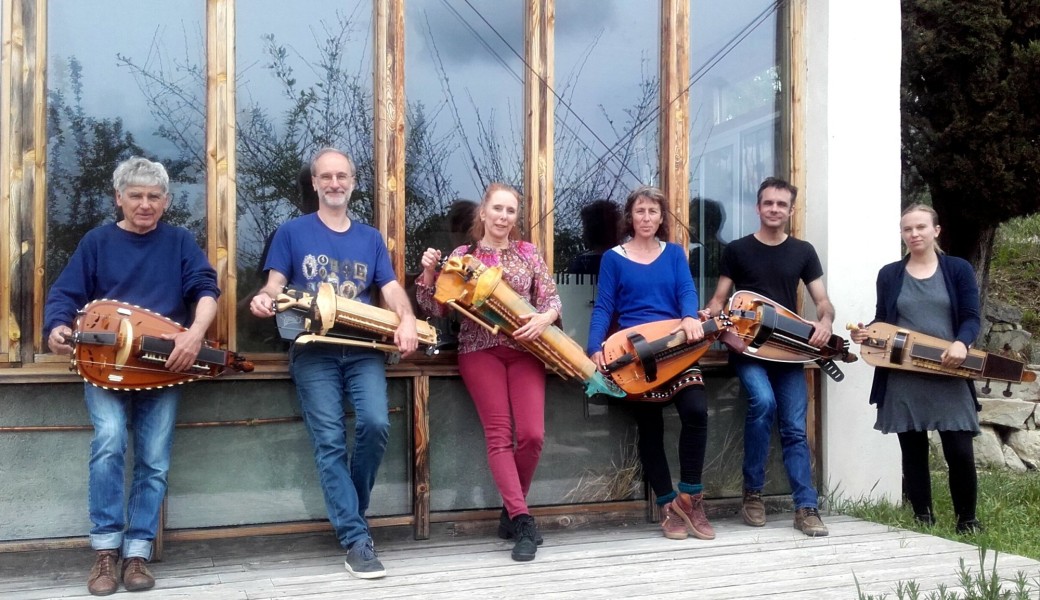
[[505, 528], [969, 526], [525, 531], [927, 519]]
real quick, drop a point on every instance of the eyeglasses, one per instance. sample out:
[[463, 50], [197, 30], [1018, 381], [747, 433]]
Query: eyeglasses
[[341, 178]]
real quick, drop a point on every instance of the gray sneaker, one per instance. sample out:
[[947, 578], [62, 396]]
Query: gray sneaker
[[362, 562]]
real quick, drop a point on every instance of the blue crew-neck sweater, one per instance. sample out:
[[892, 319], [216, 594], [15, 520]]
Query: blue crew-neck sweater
[[163, 270], [632, 294]]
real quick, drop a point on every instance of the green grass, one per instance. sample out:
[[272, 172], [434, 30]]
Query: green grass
[[1008, 506], [1009, 509], [1015, 269]]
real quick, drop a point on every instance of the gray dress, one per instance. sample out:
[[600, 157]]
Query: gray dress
[[920, 401]]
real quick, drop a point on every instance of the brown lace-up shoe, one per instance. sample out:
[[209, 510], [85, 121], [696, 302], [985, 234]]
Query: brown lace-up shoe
[[808, 521], [691, 510], [103, 579], [136, 576], [672, 524], [753, 510]]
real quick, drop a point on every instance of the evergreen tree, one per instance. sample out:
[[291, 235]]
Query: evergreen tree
[[971, 116]]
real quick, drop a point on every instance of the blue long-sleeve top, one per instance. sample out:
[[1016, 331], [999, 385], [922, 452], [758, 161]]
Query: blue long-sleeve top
[[632, 294], [163, 270], [964, 308]]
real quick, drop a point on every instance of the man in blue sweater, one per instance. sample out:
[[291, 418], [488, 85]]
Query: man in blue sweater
[[141, 261]]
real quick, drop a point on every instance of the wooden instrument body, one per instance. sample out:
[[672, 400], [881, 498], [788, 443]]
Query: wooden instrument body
[[359, 324], [891, 347], [643, 358], [118, 346], [478, 292], [773, 332]]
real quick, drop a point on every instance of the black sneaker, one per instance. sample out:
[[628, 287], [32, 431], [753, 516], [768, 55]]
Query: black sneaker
[[361, 561], [505, 528], [525, 531]]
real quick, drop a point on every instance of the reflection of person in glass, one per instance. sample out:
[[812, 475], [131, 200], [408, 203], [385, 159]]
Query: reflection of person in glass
[[307, 202], [599, 230], [328, 246], [641, 281], [712, 244], [933, 294], [506, 382], [771, 263], [142, 261]]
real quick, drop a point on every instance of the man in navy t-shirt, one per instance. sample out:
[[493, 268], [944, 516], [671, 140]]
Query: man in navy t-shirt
[[329, 247]]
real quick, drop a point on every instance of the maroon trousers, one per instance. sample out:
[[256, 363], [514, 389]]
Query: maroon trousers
[[508, 389]]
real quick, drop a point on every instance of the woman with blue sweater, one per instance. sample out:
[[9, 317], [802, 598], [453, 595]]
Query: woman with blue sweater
[[641, 281], [937, 295]]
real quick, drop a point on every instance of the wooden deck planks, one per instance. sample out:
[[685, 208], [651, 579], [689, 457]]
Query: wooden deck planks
[[627, 561]]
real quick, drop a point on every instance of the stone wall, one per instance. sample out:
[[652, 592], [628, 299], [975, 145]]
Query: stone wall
[[1010, 438]]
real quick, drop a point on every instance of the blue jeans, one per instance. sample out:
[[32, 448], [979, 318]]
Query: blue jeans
[[151, 414], [774, 390], [330, 380]]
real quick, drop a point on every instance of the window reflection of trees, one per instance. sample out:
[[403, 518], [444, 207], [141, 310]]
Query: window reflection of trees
[[465, 131], [84, 147]]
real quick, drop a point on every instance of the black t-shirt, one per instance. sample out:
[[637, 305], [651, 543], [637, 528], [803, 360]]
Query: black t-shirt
[[771, 271]]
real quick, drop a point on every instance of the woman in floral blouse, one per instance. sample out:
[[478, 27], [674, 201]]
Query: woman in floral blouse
[[506, 381]]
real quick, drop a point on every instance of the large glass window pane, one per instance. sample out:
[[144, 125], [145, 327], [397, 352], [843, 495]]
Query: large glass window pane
[[606, 118], [464, 84], [735, 117], [132, 83], [304, 82]]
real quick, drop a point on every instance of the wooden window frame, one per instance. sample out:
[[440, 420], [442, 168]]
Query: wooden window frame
[[23, 151]]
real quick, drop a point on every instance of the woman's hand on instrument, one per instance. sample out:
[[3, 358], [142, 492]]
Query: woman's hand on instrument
[[691, 328], [59, 341], [858, 333], [954, 355], [600, 361], [535, 324], [429, 262], [406, 336], [186, 346], [262, 305]]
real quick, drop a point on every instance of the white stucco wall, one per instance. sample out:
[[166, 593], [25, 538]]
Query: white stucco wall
[[852, 208]]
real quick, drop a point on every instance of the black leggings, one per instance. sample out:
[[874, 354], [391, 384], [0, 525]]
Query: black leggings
[[960, 458], [692, 404]]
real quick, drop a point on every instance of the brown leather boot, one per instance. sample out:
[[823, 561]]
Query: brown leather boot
[[753, 509], [103, 579], [672, 524], [690, 509], [136, 576]]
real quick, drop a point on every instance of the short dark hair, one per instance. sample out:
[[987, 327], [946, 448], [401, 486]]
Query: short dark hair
[[777, 183]]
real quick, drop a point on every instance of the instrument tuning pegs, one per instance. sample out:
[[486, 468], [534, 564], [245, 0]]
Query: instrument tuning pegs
[[986, 389], [1007, 392]]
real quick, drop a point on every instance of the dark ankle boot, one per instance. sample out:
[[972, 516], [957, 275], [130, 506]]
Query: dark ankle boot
[[524, 530], [505, 528]]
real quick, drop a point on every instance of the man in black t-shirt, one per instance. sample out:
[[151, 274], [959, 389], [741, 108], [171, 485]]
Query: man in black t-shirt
[[770, 262]]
